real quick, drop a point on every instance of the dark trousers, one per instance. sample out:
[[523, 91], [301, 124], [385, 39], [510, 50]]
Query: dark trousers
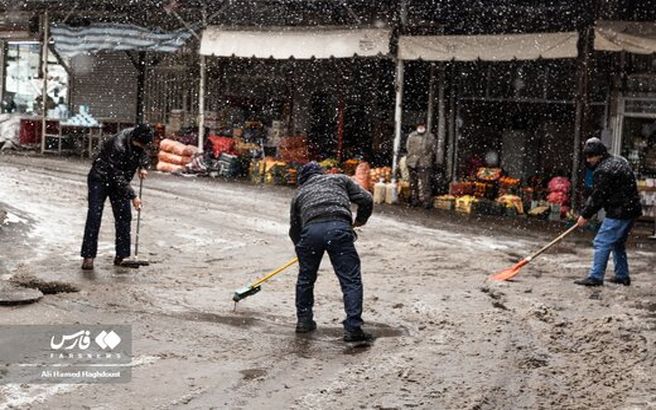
[[421, 188], [98, 193], [336, 238]]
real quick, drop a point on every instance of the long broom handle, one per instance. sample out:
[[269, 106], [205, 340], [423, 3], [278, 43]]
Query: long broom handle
[[136, 240], [552, 243], [275, 272]]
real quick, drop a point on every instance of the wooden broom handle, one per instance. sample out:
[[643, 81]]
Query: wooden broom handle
[[552, 243]]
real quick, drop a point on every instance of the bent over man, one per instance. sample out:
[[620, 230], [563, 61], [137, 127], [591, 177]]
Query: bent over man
[[113, 168], [321, 221]]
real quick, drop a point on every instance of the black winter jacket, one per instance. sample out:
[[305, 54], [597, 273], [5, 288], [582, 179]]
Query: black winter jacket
[[328, 197], [614, 189], [117, 162]]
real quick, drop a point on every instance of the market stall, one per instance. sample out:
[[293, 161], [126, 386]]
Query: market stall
[[258, 102]]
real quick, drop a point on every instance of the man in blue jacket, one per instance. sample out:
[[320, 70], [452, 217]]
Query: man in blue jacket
[[615, 190], [321, 221], [113, 168]]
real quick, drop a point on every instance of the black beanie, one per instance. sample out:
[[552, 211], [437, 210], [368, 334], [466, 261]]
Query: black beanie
[[308, 170], [594, 147], [143, 133]]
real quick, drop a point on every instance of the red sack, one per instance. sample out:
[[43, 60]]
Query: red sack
[[557, 197], [362, 174], [559, 184], [219, 145]]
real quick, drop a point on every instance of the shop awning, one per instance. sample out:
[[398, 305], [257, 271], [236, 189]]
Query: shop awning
[[498, 47], [71, 41], [299, 43], [634, 37]]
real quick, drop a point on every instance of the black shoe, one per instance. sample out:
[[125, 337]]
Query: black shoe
[[589, 282], [118, 261], [306, 327], [620, 281], [357, 336], [87, 264]]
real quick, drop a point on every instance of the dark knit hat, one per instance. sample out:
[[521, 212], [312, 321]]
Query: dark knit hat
[[143, 133], [594, 147], [308, 170]]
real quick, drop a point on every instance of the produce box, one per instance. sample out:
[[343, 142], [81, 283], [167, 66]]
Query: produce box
[[461, 188], [229, 165], [446, 202], [465, 203]]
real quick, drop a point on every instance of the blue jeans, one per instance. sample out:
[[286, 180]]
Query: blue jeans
[[336, 238], [611, 237], [98, 193]]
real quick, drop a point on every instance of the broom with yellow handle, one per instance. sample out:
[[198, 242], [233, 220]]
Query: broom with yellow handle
[[255, 287]]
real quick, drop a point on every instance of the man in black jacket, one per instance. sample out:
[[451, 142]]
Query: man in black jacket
[[614, 189], [113, 168], [321, 221]]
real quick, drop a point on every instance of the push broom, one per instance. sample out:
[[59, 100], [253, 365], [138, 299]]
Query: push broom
[[255, 287], [135, 262], [514, 270]]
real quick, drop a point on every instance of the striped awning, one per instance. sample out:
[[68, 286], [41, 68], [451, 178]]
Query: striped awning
[[71, 41]]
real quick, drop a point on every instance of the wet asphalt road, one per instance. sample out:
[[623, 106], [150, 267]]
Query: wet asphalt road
[[447, 338]]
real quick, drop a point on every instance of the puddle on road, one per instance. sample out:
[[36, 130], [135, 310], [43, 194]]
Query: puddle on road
[[45, 286], [252, 374]]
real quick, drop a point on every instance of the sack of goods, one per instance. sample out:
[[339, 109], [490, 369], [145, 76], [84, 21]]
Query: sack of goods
[[559, 193], [217, 145], [362, 176], [173, 155]]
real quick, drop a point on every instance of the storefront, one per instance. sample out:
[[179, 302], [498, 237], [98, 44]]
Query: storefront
[[297, 94], [634, 114], [507, 130]]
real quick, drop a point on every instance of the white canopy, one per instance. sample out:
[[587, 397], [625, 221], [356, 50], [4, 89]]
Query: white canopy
[[498, 47], [634, 37], [299, 43]]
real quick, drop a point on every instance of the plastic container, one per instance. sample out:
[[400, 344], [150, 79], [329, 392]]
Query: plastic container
[[391, 193], [380, 190]]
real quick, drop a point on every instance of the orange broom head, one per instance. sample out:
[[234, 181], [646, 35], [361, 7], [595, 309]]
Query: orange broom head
[[510, 272]]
